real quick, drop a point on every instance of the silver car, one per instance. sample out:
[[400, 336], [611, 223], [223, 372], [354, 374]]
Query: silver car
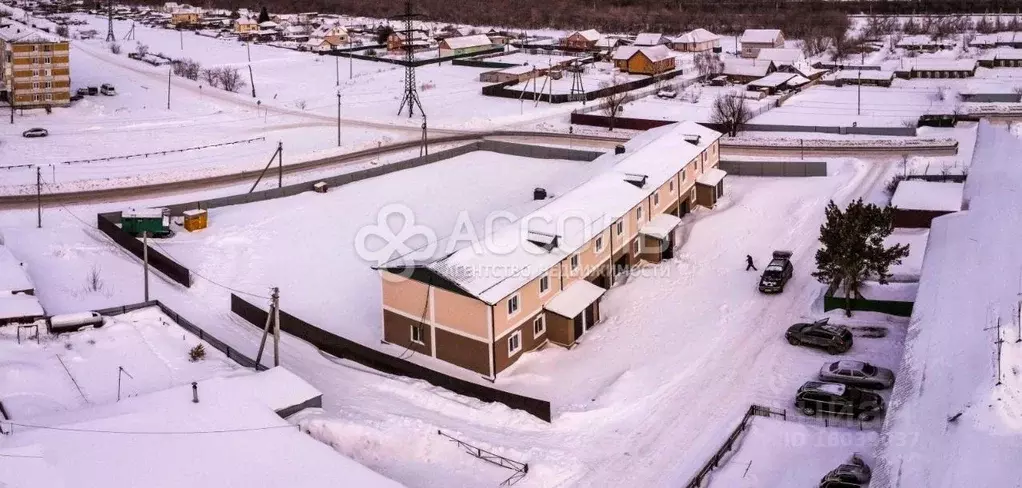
[[857, 373]]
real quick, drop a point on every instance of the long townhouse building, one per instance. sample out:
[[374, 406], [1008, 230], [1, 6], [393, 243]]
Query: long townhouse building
[[35, 68], [540, 279]]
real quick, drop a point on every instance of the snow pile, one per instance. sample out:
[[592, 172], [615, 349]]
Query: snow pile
[[952, 422], [928, 195]]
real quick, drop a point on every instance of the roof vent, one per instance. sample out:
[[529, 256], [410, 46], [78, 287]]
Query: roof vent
[[619, 149], [637, 180], [691, 138], [539, 194], [541, 239]]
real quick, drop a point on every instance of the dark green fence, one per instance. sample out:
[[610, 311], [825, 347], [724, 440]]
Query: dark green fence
[[889, 307]]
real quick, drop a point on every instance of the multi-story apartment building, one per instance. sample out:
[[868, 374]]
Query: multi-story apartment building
[[540, 278], [35, 67]]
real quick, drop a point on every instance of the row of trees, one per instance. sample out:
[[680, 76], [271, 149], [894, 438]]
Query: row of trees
[[223, 77]]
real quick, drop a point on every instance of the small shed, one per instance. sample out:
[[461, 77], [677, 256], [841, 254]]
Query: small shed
[[710, 187], [19, 308], [196, 219], [917, 203], [775, 81], [746, 70], [658, 237], [155, 221], [573, 312]]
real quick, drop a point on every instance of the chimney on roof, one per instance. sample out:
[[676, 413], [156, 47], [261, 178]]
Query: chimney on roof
[[691, 138], [638, 180], [541, 239], [619, 149]]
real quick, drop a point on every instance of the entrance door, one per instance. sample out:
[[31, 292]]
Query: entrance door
[[589, 316], [668, 250], [684, 208], [579, 325]]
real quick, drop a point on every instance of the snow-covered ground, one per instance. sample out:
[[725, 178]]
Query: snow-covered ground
[[776, 453], [150, 347], [694, 103], [822, 105], [910, 265]]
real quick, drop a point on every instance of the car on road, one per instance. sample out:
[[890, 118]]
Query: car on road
[[857, 373], [834, 339], [777, 273], [854, 473], [837, 399], [107, 89], [84, 91], [35, 132]]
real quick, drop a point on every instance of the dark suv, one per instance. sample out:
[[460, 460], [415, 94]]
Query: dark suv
[[838, 399], [835, 339], [777, 273]]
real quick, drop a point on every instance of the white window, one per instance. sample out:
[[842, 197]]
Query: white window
[[35, 85], [638, 214], [514, 343], [512, 305], [539, 326], [574, 262], [47, 60], [417, 334], [692, 194], [656, 198], [599, 243], [49, 97], [620, 227], [702, 166], [544, 283], [47, 84], [35, 72]]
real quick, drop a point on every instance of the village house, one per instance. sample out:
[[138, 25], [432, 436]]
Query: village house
[[781, 57], [777, 81], [185, 17], [243, 25], [989, 92], [482, 308], [739, 70], [917, 203], [924, 43], [753, 40], [399, 41], [696, 41], [514, 73], [649, 60], [1002, 59], [936, 68], [650, 39], [34, 67], [456, 46], [582, 40], [333, 30], [324, 44], [866, 77]]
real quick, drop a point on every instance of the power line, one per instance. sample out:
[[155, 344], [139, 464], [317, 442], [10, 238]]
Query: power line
[[121, 432]]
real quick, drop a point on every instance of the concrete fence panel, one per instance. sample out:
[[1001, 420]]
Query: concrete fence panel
[[774, 168]]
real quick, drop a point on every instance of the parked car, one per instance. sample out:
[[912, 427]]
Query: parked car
[[76, 97], [855, 473], [82, 91], [777, 273], [835, 339], [839, 484], [837, 399], [857, 373], [93, 90], [35, 132], [666, 93], [107, 89]]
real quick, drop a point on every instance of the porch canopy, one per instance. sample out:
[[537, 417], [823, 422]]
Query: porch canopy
[[575, 299], [660, 226], [711, 177]]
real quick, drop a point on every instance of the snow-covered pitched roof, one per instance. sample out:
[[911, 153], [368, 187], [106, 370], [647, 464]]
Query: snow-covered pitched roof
[[773, 80], [574, 299], [589, 35], [624, 53], [1009, 37], [917, 64], [467, 41], [987, 86], [648, 39], [781, 56], [928, 195], [13, 276], [746, 67], [963, 427], [656, 53], [921, 40], [696, 36], [711, 177], [269, 24], [16, 32], [865, 74], [275, 453], [19, 306], [760, 36], [493, 272], [245, 21]]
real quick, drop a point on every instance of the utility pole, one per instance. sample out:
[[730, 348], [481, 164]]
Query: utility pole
[[145, 264], [168, 87], [10, 96], [272, 316], [280, 164], [351, 61], [858, 98], [337, 70], [120, 371], [251, 78], [39, 196], [338, 118], [182, 39]]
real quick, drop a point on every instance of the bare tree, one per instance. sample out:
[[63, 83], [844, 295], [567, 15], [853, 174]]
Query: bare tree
[[730, 112], [230, 79], [708, 64], [210, 76], [613, 104], [141, 50], [115, 48], [93, 280], [187, 68]]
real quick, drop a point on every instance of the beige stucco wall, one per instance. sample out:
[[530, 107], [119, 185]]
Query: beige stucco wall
[[462, 313], [406, 295], [529, 304]]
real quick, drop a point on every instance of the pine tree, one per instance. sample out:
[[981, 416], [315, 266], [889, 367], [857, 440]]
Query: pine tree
[[197, 353], [264, 16], [853, 248]]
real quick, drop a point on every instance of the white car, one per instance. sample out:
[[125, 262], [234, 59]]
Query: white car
[[667, 93], [108, 89]]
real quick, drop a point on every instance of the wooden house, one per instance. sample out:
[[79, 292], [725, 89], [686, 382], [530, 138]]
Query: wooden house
[[696, 41], [582, 40], [753, 40]]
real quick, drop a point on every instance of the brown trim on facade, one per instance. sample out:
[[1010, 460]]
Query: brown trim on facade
[[397, 329], [463, 351], [501, 357]]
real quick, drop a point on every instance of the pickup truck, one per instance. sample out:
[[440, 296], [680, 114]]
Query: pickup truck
[[777, 273]]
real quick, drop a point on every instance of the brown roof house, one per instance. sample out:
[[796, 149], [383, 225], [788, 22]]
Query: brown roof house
[[753, 40], [586, 39], [541, 280]]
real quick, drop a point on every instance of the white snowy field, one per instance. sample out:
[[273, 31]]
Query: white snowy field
[[684, 108], [822, 105], [774, 453], [539, 59], [150, 347]]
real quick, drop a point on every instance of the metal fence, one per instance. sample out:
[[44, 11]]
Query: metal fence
[[186, 324], [380, 361], [502, 90], [774, 168], [645, 124], [107, 223]]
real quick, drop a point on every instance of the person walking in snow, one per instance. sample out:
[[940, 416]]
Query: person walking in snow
[[748, 263]]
